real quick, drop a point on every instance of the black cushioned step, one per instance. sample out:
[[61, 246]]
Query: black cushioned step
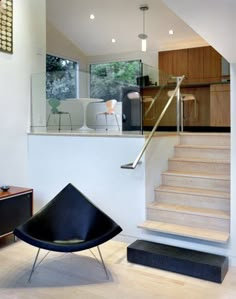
[[197, 264]]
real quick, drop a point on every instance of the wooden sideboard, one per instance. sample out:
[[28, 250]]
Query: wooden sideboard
[[16, 206]]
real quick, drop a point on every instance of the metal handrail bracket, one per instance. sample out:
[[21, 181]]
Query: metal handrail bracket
[[176, 92]]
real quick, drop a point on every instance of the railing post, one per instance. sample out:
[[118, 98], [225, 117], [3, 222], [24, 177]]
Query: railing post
[[178, 99]]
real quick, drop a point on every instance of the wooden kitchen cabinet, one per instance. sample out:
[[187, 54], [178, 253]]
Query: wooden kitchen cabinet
[[199, 65], [174, 62], [211, 65], [195, 65], [220, 105]]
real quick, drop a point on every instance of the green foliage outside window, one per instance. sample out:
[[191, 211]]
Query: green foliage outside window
[[107, 79], [61, 78]]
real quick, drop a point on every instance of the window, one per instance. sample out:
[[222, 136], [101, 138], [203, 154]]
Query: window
[[61, 78], [107, 79]]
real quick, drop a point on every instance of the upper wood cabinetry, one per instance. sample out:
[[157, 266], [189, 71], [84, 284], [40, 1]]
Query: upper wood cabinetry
[[211, 65], [199, 65], [195, 65], [174, 62]]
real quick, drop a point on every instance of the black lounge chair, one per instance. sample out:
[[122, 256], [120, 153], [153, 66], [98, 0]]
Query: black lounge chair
[[68, 223]]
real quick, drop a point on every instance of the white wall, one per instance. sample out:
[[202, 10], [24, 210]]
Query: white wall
[[59, 45], [92, 164], [15, 73], [233, 159]]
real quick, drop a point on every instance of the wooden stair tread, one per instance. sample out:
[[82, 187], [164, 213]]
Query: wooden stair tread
[[203, 146], [193, 191], [201, 160], [204, 134], [189, 210], [186, 231], [199, 175]]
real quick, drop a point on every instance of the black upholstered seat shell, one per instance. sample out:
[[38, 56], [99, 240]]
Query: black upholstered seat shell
[[69, 217]]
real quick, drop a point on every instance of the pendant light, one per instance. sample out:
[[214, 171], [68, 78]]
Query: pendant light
[[143, 36]]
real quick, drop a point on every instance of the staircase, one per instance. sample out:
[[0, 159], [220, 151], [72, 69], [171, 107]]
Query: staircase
[[194, 197]]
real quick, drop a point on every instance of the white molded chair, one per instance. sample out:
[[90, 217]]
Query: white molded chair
[[110, 106]]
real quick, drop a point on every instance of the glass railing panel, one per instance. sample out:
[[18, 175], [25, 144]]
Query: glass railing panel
[[155, 96], [56, 105], [59, 100]]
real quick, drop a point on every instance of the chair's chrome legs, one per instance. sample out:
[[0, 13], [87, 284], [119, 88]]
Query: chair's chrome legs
[[106, 122], [117, 122], [34, 265], [59, 126], [104, 266], [70, 122], [48, 119]]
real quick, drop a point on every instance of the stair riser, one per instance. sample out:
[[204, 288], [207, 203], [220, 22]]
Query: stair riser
[[199, 167], [188, 219], [196, 182], [223, 154], [197, 201], [217, 139]]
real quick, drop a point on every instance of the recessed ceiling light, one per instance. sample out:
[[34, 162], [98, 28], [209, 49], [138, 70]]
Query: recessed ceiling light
[[171, 32], [113, 40], [92, 17]]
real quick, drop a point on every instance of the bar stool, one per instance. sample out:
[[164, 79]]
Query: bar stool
[[184, 97]]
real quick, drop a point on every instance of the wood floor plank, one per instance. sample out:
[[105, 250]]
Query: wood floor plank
[[80, 276], [74, 276]]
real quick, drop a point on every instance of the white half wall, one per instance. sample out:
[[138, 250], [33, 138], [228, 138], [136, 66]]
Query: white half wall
[[92, 164]]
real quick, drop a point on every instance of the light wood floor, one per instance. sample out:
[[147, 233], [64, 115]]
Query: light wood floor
[[72, 276]]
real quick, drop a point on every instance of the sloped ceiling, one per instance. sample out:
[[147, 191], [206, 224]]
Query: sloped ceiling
[[214, 20], [122, 20]]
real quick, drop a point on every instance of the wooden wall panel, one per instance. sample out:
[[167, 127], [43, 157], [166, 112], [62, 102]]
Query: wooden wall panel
[[195, 65], [180, 63], [220, 105], [211, 65], [174, 63]]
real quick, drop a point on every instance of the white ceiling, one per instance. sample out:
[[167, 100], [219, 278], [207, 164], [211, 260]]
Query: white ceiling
[[122, 20]]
